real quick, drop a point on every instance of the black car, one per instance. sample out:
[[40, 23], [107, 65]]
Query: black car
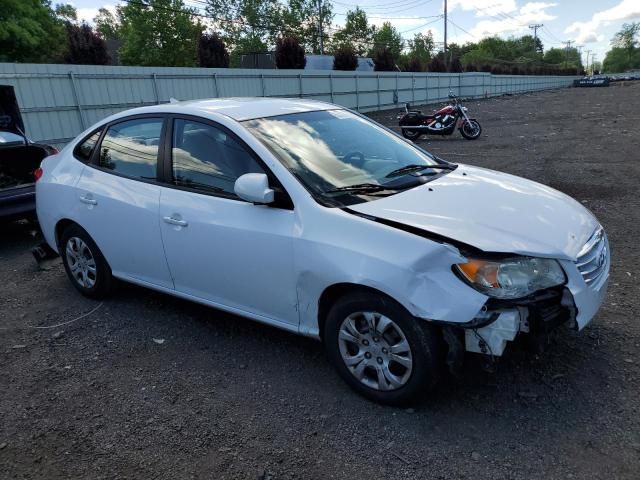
[[19, 161]]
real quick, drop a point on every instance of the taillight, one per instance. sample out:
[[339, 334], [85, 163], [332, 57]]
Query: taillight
[[37, 173]]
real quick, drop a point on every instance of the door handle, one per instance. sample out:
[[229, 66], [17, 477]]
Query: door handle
[[89, 200], [175, 221]]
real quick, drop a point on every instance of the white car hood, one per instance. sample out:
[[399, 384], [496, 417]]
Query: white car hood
[[492, 211]]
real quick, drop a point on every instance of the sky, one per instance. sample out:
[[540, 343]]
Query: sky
[[589, 23]]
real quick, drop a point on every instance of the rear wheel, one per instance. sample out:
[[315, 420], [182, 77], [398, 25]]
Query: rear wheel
[[411, 134], [471, 130], [84, 263], [380, 349]]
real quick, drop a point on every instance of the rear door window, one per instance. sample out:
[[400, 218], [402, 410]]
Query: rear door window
[[130, 148]]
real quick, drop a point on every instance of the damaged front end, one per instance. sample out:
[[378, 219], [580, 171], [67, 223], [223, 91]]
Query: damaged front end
[[501, 321]]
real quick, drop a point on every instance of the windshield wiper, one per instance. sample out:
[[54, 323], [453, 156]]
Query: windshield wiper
[[362, 188], [416, 168]]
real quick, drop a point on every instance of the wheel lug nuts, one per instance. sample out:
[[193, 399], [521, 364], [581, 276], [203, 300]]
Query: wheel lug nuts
[[365, 342], [367, 355], [379, 359], [384, 350]]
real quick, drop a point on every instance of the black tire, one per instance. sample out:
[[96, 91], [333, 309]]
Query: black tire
[[424, 340], [412, 135], [101, 281], [471, 132]]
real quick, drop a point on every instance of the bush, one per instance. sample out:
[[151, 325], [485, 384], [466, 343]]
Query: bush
[[85, 47], [414, 65], [437, 65], [470, 68], [212, 52], [383, 60], [456, 66], [289, 54], [345, 59]]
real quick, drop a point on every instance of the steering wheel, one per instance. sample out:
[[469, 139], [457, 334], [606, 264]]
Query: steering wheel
[[354, 158]]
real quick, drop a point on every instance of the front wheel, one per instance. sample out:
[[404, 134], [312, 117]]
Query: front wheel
[[380, 349], [471, 129], [412, 135]]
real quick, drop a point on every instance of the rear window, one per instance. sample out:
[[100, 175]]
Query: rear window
[[84, 150]]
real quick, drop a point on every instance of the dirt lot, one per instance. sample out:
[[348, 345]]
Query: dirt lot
[[151, 387]]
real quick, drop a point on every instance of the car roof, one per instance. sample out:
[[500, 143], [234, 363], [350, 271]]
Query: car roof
[[244, 108]]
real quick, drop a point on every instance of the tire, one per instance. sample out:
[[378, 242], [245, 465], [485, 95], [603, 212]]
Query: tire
[[84, 263], [374, 372], [471, 132], [412, 135]]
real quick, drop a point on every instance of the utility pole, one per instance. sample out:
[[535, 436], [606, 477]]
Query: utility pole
[[535, 28], [566, 58], [586, 68], [445, 33], [320, 27], [593, 64]]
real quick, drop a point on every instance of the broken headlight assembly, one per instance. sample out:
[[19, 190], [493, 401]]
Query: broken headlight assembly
[[511, 278]]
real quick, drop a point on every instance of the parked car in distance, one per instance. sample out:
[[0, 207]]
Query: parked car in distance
[[19, 161], [312, 218]]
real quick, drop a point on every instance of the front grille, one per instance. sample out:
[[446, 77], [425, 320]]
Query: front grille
[[592, 259]]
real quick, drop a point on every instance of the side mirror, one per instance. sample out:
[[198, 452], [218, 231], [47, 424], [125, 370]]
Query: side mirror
[[254, 188]]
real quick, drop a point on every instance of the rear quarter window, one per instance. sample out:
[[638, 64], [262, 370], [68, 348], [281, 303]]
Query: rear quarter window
[[85, 148]]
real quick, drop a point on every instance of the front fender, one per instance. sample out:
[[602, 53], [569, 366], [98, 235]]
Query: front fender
[[413, 270]]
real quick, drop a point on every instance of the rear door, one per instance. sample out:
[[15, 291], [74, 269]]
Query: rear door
[[118, 197]]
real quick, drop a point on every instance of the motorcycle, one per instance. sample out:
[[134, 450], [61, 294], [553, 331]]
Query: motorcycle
[[443, 122]]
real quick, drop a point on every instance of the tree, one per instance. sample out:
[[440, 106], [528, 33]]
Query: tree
[[106, 24], [626, 37], [421, 47], [625, 54], [244, 22], [437, 65], [344, 58], [158, 33], [212, 52], [246, 45], [85, 47], [387, 36], [30, 31], [302, 19], [356, 32], [383, 60], [414, 64], [289, 54], [554, 56], [455, 66]]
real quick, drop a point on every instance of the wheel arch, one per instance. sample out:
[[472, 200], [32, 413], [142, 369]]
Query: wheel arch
[[338, 290]]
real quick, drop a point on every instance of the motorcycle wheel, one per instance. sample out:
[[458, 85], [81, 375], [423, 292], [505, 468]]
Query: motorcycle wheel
[[471, 130], [411, 134]]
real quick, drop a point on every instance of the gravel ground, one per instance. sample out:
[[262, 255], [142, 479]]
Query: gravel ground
[[151, 387]]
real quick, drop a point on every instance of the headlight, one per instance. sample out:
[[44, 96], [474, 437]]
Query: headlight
[[511, 277]]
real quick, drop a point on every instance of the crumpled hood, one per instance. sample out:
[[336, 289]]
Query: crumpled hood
[[492, 211]]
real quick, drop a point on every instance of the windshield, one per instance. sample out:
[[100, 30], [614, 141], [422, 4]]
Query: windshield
[[342, 158]]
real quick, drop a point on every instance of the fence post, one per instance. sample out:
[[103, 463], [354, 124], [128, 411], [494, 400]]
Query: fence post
[[413, 88], [215, 85], [76, 97], [378, 89], [155, 88], [300, 84], [262, 85], [357, 93], [397, 99], [331, 85]]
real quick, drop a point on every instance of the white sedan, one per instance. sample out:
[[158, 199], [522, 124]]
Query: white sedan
[[312, 218]]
